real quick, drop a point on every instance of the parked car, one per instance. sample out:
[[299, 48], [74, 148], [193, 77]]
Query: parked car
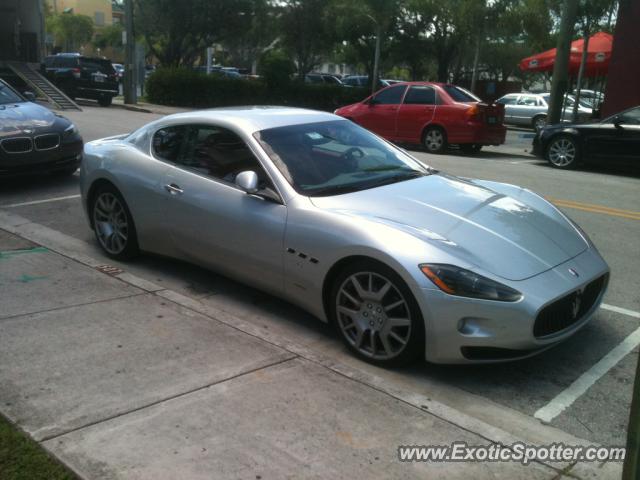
[[430, 114], [591, 97], [530, 109], [119, 68], [322, 78], [408, 263], [82, 77], [615, 139], [363, 81], [33, 139]]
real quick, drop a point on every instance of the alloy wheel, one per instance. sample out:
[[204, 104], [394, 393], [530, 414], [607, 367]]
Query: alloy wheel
[[111, 224], [373, 315], [562, 152]]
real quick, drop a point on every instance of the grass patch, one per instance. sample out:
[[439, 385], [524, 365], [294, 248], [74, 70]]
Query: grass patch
[[23, 459]]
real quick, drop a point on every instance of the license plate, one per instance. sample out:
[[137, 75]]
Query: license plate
[[98, 79], [492, 120]]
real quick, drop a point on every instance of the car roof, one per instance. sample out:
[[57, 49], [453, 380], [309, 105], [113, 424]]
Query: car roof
[[251, 119]]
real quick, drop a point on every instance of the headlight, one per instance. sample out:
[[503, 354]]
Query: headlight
[[70, 130], [464, 283]]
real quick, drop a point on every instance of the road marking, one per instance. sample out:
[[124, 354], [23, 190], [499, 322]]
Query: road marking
[[37, 202], [588, 207], [623, 311], [574, 391]]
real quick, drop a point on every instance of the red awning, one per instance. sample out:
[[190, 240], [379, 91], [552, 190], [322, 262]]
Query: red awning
[[598, 57]]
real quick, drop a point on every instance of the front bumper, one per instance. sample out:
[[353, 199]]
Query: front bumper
[[66, 156], [465, 330], [536, 146]]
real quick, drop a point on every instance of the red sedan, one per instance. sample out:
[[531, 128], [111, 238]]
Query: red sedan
[[431, 114]]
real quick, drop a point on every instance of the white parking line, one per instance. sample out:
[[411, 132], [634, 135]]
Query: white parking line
[[623, 311], [36, 202], [574, 391]]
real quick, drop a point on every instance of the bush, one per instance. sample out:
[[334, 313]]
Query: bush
[[276, 69], [187, 88]]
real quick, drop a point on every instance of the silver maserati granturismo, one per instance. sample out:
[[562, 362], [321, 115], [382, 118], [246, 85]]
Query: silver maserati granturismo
[[406, 261]]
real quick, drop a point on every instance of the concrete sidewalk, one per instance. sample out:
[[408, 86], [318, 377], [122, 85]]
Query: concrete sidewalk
[[121, 378]]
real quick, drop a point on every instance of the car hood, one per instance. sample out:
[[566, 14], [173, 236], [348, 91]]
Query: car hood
[[17, 117], [514, 238]]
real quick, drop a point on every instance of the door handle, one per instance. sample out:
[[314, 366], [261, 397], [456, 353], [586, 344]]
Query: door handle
[[173, 189]]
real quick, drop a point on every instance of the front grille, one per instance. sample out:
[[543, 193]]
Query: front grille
[[17, 145], [569, 310], [47, 141]]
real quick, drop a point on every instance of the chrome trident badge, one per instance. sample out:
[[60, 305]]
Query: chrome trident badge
[[573, 272]]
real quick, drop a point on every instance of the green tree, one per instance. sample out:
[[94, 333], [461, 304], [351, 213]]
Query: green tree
[[177, 32], [70, 31], [109, 36]]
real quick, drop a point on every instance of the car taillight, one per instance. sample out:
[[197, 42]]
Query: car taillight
[[76, 72], [473, 113]]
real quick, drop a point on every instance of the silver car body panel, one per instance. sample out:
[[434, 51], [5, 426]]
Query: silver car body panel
[[527, 106], [289, 248]]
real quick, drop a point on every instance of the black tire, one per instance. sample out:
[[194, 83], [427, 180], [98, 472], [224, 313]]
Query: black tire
[[434, 139], [372, 316], [563, 152], [105, 101], [538, 122], [470, 147], [129, 249]]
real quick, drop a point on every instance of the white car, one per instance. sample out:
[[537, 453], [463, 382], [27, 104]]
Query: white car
[[530, 109]]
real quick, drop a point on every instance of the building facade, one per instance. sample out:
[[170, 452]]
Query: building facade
[[21, 30], [100, 11]]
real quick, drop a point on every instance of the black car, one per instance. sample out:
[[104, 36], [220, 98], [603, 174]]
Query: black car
[[82, 77], [614, 139], [33, 139]]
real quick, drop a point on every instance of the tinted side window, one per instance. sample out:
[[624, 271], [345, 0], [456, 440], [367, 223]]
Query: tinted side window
[[97, 65], [391, 95], [167, 142], [631, 116], [219, 153], [420, 95]]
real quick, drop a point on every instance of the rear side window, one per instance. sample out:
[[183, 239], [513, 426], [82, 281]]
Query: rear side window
[[390, 96], [66, 62], [528, 101], [420, 95], [168, 142], [457, 94], [507, 100], [97, 65]]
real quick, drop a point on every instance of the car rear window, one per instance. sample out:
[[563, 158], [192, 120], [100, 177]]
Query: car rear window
[[457, 94], [65, 62], [97, 65]]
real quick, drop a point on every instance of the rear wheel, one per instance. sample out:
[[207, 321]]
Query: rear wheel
[[563, 153], [539, 122], [376, 314], [104, 101], [435, 140], [113, 224]]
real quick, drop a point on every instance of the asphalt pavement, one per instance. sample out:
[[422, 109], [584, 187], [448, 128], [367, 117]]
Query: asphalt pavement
[[579, 391]]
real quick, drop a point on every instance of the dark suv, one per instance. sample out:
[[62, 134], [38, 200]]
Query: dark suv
[[82, 77]]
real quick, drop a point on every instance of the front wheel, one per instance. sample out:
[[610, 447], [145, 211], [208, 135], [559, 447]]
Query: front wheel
[[376, 314], [563, 152], [435, 140], [113, 224]]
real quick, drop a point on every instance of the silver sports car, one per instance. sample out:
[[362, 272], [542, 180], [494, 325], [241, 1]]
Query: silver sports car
[[406, 261]]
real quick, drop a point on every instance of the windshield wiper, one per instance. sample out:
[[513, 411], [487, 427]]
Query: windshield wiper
[[399, 177], [333, 190]]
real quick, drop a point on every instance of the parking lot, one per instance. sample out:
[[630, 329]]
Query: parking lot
[[582, 387]]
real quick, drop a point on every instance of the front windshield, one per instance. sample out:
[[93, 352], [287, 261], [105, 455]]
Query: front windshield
[[329, 158], [8, 96]]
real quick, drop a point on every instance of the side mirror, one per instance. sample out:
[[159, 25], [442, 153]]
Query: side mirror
[[617, 122], [247, 181], [372, 101], [30, 96]]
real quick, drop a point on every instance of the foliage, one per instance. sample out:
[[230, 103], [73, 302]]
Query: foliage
[[177, 32], [70, 31], [276, 69], [109, 36], [184, 87]]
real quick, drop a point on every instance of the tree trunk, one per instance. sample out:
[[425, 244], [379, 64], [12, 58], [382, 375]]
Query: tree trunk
[[583, 61]]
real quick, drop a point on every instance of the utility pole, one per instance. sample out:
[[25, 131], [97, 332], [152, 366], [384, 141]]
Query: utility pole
[[130, 93], [560, 80], [376, 58], [583, 62]]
